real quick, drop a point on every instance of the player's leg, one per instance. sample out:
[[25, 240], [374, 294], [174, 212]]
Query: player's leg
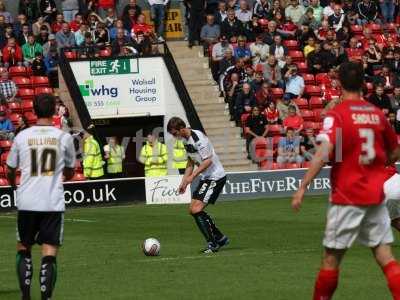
[[390, 267], [50, 237], [392, 194], [27, 228], [328, 276]]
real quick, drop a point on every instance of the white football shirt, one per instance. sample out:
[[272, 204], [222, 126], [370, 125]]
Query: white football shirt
[[41, 152], [199, 148]]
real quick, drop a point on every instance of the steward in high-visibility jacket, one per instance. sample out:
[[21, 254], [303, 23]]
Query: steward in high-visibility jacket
[[154, 156], [114, 154], [179, 159], [92, 159]]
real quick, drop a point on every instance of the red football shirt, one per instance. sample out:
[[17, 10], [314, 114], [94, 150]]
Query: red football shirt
[[361, 136], [294, 122]]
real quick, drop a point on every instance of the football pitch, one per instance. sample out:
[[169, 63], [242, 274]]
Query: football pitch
[[274, 254]]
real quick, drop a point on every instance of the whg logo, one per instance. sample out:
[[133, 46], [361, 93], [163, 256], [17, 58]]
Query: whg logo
[[88, 89]]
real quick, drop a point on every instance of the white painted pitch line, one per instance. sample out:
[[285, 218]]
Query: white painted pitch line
[[67, 219], [161, 259]]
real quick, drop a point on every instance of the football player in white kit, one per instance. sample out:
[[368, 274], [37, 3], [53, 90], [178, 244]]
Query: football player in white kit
[[201, 153], [392, 196], [45, 155]]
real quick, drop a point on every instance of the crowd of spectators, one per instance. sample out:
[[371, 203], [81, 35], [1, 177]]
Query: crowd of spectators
[[276, 65]]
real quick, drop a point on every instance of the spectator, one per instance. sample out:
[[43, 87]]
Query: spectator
[[261, 9], [129, 20], [294, 11], [118, 24], [218, 54], [141, 45], [8, 89], [387, 10], [238, 68], [394, 122], [263, 96], [256, 127], [22, 37], [270, 33], [380, 99], [92, 158], [259, 50], [395, 99], [273, 73], [56, 26], [142, 27], [310, 46], [317, 10], [6, 14], [103, 6], [157, 8], [257, 82], [69, 8], [196, 17], [329, 9], [154, 156], [38, 67], [210, 33], [48, 10], [39, 26], [30, 50], [65, 38], [367, 12], [244, 102], [283, 107], [385, 78], [294, 83], [226, 62], [289, 149], [6, 127], [92, 21], [114, 154], [120, 41], [50, 46], [43, 35], [308, 145], [22, 124], [303, 34], [132, 5], [278, 50], [76, 22], [101, 36], [242, 51], [309, 19], [80, 34], [339, 54], [12, 54], [328, 57], [315, 60], [30, 9], [243, 14], [293, 120], [271, 113], [220, 15], [337, 19], [51, 62], [231, 27], [87, 49]]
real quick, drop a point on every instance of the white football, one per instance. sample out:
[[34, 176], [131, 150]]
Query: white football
[[151, 247]]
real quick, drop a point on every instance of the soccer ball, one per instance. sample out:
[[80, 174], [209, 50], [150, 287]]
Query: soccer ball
[[151, 247]]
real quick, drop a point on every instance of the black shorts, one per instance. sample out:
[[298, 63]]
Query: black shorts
[[208, 190], [36, 227]]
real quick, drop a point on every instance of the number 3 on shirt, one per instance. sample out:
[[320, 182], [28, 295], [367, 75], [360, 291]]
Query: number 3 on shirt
[[47, 162], [367, 148]]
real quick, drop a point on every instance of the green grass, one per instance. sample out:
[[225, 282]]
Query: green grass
[[274, 254]]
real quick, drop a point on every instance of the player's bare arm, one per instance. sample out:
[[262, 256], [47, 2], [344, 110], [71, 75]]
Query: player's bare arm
[[11, 176], [200, 169], [188, 173], [317, 164]]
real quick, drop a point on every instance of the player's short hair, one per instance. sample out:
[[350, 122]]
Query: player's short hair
[[45, 105], [351, 76], [175, 123]]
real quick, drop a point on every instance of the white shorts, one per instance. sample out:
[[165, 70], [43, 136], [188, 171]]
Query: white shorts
[[369, 225], [392, 196]]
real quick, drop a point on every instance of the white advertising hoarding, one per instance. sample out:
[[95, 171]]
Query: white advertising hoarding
[[122, 87], [164, 190]]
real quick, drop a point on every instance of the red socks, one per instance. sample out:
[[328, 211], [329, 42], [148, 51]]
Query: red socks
[[392, 273], [326, 284]]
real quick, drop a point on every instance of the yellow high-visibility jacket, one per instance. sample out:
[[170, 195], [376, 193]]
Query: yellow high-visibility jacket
[[92, 159], [179, 160], [155, 159], [114, 161]]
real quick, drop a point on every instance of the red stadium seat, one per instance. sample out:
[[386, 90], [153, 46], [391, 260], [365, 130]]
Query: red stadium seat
[[355, 54], [313, 90], [297, 56], [5, 145], [22, 82], [318, 114], [322, 78], [306, 164], [316, 102], [3, 158], [309, 79], [293, 166], [291, 44], [27, 105], [277, 93], [17, 71], [14, 118], [78, 177], [29, 71], [43, 90], [308, 125], [268, 165], [14, 107], [302, 67], [3, 182], [274, 130], [375, 28], [40, 81], [70, 55], [307, 115], [30, 117], [26, 94], [301, 103], [105, 53], [356, 29]]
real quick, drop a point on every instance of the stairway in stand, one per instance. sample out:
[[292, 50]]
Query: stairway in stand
[[225, 136]]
